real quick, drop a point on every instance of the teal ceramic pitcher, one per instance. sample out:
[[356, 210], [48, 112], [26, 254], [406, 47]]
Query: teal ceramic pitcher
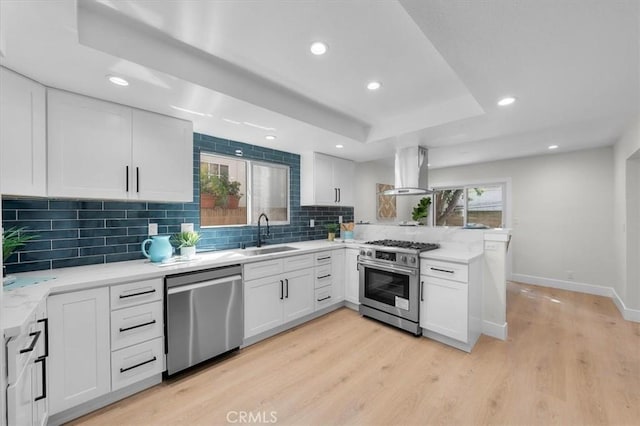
[[160, 248]]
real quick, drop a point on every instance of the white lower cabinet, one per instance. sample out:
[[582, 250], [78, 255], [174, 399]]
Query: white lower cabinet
[[451, 302], [27, 402], [351, 277], [337, 283], [79, 349], [135, 363], [284, 296]]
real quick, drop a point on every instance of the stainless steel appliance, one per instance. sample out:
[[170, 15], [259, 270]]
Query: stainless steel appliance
[[204, 315], [390, 282]]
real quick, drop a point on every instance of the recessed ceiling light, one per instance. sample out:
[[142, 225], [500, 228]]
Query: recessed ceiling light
[[270, 137], [119, 81], [428, 164], [508, 100], [201, 114], [374, 85], [318, 48], [339, 146], [553, 147]]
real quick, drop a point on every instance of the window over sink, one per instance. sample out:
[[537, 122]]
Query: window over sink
[[234, 191]]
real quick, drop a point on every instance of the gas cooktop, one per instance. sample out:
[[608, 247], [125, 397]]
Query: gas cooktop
[[410, 245]]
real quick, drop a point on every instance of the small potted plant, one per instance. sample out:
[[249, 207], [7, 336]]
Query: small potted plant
[[207, 190], [186, 242], [13, 239], [421, 211], [332, 228], [233, 199]]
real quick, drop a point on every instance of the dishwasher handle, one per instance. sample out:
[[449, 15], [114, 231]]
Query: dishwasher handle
[[189, 287]]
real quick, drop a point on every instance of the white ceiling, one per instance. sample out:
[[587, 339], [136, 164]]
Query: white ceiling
[[573, 66]]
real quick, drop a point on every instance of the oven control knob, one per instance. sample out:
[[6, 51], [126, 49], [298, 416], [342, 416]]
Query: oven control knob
[[404, 259], [369, 253], [362, 252], [412, 259]]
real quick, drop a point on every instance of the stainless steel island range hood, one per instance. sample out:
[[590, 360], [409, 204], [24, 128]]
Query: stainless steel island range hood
[[411, 172]]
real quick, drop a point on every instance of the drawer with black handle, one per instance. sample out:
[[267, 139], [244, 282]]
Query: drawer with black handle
[[135, 363], [136, 324], [136, 293], [323, 297]]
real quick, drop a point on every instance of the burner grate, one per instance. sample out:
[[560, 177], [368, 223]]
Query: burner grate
[[412, 245]]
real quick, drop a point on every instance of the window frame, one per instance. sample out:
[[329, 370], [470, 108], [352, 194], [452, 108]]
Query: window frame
[[505, 183], [249, 163]]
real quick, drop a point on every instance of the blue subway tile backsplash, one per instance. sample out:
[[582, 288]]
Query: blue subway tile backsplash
[[85, 232]]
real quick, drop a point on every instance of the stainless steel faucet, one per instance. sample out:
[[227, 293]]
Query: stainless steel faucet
[[259, 233]]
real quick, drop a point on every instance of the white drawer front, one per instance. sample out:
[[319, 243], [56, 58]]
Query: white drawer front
[[447, 270], [18, 353], [323, 258], [136, 324], [135, 363], [294, 263], [323, 297], [324, 275], [262, 269], [136, 293]]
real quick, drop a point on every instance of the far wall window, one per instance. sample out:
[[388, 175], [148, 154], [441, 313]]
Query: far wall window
[[470, 205]]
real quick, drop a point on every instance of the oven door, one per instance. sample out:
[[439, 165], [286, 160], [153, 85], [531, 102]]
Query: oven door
[[390, 288]]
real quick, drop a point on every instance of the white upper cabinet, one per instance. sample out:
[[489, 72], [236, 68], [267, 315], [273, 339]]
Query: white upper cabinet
[[162, 157], [89, 147], [23, 150], [326, 180], [102, 150]]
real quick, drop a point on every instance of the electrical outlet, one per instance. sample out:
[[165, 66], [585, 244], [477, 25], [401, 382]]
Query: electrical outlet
[[186, 227], [153, 229], [339, 219], [312, 223]]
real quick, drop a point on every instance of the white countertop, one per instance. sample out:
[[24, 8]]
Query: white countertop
[[18, 304]]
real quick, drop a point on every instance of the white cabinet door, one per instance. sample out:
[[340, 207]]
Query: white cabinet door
[[352, 277], [337, 270], [263, 299], [343, 177], [299, 294], [444, 309], [162, 166], [22, 136], [89, 147], [325, 191], [20, 399], [79, 349]]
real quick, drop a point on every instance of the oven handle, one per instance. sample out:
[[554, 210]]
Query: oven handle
[[387, 267]]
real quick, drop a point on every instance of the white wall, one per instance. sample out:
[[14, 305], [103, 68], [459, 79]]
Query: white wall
[[561, 213], [626, 222]]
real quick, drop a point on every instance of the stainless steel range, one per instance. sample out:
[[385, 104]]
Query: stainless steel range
[[390, 282]]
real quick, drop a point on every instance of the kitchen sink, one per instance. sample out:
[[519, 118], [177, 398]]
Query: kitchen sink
[[266, 250]]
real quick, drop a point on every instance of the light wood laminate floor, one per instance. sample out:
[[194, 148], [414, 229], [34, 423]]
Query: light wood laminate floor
[[570, 359]]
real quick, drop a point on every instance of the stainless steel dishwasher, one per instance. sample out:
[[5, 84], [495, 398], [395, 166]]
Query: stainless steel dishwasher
[[204, 315]]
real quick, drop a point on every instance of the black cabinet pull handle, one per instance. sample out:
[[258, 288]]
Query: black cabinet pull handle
[[339, 195], [137, 294], [127, 176], [324, 298], [33, 342], [46, 335], [281, 290], [335, 195], [286, 283], [324, 276], [422, 291], [122, 370], [44, 378], [137, 326], [137, 179], [324, 258], [442, 270]]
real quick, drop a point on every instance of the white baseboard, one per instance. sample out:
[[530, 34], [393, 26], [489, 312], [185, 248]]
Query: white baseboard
[[499, 331], [627, 313]]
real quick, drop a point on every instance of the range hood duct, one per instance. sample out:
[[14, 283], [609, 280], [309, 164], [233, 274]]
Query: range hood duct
[[411, 172]]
